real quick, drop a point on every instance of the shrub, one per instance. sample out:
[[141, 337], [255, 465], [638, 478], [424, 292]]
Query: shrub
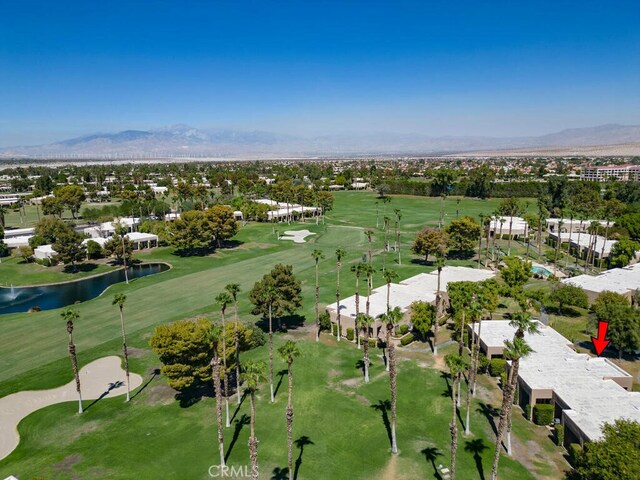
[[543, 414], [497, 366], [575, 453], [559, 431], [407, 339], [503, 379], [373, 343], [403, 329], [325, 321], [350, 334], [483, 363], [94, 250], [527, 411], [334, 329], [37, 241]]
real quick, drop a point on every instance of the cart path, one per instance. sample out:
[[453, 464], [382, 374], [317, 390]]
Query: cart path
[[101, 378]]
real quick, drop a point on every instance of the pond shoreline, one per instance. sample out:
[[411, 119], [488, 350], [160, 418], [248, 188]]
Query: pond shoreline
[[40, 285]]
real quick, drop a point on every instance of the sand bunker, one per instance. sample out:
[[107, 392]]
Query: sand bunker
[[298, 236], [102, 377]]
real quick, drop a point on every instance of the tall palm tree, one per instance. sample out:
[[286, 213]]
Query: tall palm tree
[[480, 239], [234, 290], [502, 220], [288, 352], [392, 318], [365, 321], [216, 336], [119, 299], [456, 364], [369, 235], [252, 376], [558, 244], [439, 266], [389, 275], [514, 351], [357, 269], [223, 299], [70, 316], [571, 217], [270, 294], [398, 248], [542, 215], [475, 312], [340, 253], [317, 256]]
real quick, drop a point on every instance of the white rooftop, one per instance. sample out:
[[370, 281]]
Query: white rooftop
[[421, 287], [582, 382], [141, 237], [518, 225], [618, 280]]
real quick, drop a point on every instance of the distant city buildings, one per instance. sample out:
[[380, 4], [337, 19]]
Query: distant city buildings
[[622, 173]]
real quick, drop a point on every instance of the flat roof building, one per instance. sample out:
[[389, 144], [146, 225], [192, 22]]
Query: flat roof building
[[585, 391], [623, 280]]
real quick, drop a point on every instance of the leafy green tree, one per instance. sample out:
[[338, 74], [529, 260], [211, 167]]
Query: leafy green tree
[[185, 350], [423, 315], [52, 206], [50, 227], [565, 295], [189, 233], [480, 182], [120, 247], [430, 241], [69, 248], [615, 457], [71, 196], [623, 319], [221, 223], [94, 250], [623, 252], [463, 234], [516, 273]]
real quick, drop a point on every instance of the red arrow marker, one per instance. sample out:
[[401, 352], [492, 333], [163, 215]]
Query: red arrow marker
[[600, 343]]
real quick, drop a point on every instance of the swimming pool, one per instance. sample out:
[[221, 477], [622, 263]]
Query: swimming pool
[[540, 271]]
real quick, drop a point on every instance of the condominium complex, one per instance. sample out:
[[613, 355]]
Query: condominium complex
[[616, 172]]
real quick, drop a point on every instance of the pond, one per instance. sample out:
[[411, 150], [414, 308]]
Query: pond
[[47, 297]]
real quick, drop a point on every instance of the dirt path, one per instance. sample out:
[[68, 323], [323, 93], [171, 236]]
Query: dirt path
[[102, 377]]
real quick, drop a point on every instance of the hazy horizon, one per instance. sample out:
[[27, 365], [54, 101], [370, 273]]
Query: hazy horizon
[[69, 69]]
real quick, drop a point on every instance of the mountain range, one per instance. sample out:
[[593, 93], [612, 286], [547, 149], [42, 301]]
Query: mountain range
[[185, 141]]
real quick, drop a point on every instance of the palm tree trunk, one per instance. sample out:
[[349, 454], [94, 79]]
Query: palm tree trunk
[[438, 307], [317, 308], [509, 241], [289, 415], [125, 353], [253, 441], [355, 326], [505, 412], [217, 390], [271, 355], [579, 250], [539, 236], [366, 353], [453, 428], [338, 332], [566, 263], [477, 356], [392, 382], [224, 372], [74, 366]]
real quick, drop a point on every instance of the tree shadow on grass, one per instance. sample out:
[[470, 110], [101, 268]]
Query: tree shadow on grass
[[193, 395], [300, 442], [281, 324], [244, 395], [383, 406], [476, 447], [490, 413], [80, 267], [238, 426], [281, 374], [110, 387], [155, 373], [280, 473], [360, 365], [430, 455]]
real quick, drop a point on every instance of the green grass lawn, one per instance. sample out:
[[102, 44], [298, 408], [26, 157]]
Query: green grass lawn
[[14, 271], [150, 437]]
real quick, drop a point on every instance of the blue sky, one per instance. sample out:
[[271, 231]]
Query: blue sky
[[471, 67]]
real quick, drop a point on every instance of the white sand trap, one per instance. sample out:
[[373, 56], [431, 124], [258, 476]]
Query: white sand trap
[[298, 236], [101, 377]]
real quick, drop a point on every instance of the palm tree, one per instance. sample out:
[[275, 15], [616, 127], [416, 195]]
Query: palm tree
[[571, 216], [288, 352], [502, 220], [475, 312], [558, 244], [542, 215], [392, 319], [253, 375], [365, 321], [317, 256], [480, 240], [216, 336], [70, 315], [224, 299], [270, 294], [514, 351], [439, 266], [340, 253], [119, 299], [369, 234], [234, 290], [398, 218], [389, 275], [357, 269], [456, 366]]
